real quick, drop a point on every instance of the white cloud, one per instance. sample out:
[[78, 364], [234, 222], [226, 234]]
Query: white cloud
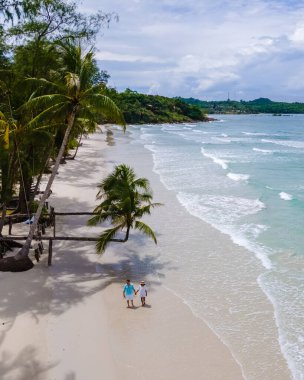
[[110, 56], [205, 48]]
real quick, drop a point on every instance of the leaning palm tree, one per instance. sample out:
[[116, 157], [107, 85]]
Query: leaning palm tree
[[125, 200], [75, 98]]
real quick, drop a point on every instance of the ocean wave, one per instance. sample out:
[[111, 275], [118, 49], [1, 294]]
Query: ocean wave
[[222, 139], [238, 177], [265, 151], [215, 159], [224, 213], [221, 208], [200, 131], [285, 196], [290, 143], [279, 286], [254, 134]]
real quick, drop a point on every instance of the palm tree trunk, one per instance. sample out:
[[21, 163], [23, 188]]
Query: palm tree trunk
[[79, 142], [41, 174], [3, 214], [127, 233], [25, 249]]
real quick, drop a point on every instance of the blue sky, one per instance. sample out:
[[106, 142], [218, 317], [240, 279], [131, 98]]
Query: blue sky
[[205, 48]]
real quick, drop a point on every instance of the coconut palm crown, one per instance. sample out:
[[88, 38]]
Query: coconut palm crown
[[125, 200]]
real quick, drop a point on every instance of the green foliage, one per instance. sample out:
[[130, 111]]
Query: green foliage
[[261, 105], [34, 207], [140, 108], [125, 199], [40, 32]]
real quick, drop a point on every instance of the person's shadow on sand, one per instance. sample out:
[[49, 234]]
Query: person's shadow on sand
[[139, 307], [132, 307]]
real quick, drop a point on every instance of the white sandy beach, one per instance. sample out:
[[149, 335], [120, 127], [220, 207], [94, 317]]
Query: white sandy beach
[[69, 321]]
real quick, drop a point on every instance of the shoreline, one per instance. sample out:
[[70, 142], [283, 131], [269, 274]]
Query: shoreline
[[61, 300], [256, 320]]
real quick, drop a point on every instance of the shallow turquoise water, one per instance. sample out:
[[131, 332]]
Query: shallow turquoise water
[[244, 175]]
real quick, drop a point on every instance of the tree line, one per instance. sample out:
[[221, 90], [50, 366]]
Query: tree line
[[51, 93], [141, 108], [261, 105]]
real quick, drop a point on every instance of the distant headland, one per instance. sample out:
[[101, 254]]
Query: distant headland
[[140, 108], [261, 105]]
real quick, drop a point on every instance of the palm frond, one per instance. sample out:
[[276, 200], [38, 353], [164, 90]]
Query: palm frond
[[6, 138], [45, 84], [105, 106], [142, 183], [49, 112], [100, 217], [105, 238], [141, 226]]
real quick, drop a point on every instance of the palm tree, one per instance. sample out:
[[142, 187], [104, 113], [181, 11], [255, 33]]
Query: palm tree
[[76, 97], [4, 156], [125, 200]]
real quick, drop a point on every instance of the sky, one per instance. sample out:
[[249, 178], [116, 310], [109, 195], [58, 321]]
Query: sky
[[205, 49]]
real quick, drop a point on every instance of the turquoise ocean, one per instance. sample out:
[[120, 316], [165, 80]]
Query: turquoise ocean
[[244, 176]]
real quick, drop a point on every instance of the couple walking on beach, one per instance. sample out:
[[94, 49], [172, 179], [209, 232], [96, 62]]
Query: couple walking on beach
[[129, 292]]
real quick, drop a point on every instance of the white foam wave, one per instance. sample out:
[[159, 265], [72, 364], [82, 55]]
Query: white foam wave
[[238, 177], [290, 143], [254, 134], [215, 159], [223, 213], [222, 139], [200, 131], [290, 338], [285, 196], [265, 151]]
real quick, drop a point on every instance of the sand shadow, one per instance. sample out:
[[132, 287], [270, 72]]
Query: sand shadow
[[22, 365]]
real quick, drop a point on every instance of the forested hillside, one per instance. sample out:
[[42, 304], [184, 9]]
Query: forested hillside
[[261, 105], [140, 108]]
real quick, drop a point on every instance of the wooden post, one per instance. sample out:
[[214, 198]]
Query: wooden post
[[50, 252], [51, 215], [54, 224], [10, 226]]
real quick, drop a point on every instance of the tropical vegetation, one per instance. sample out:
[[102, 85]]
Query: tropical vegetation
[[51, 93], [261, 105], [125, 199], [141, 108]]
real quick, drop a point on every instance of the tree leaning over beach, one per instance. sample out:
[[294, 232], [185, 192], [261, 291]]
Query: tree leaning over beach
[[125, 200], [72, 97]]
